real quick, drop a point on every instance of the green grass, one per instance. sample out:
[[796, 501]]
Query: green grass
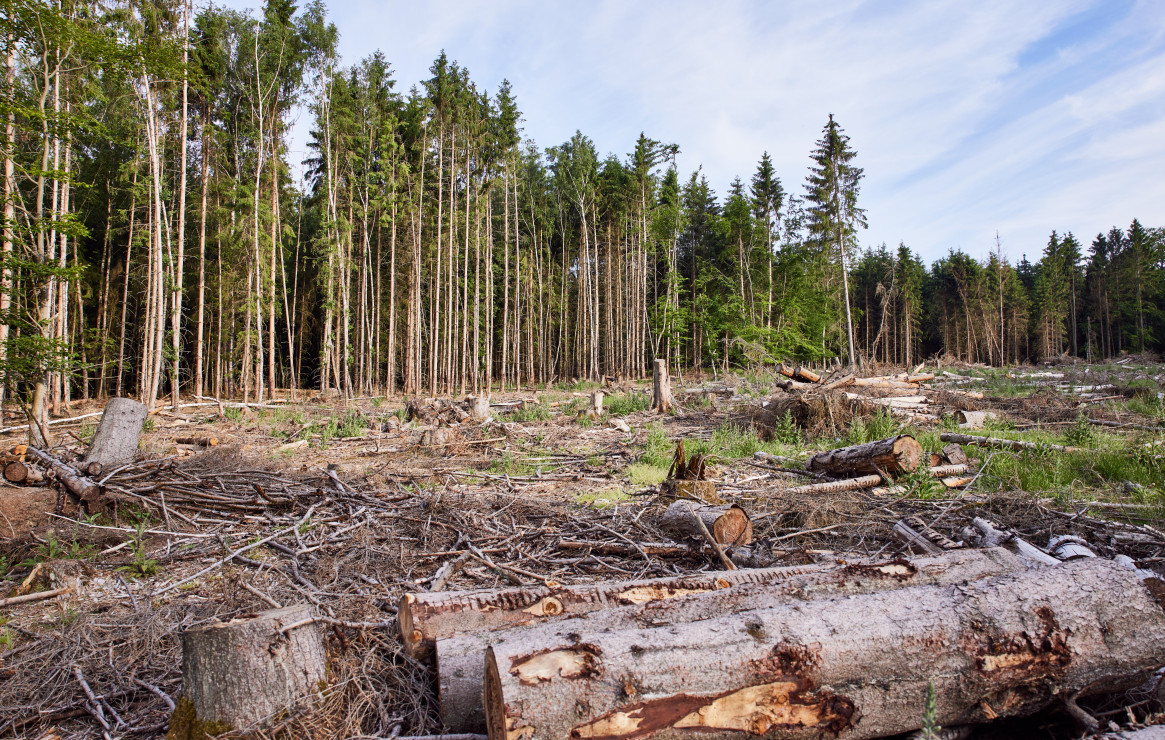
[[642, 474], [509, 464], [1064, 473], [626, 403], [529, 412], [603, 498], [728, 442], [878, 426]]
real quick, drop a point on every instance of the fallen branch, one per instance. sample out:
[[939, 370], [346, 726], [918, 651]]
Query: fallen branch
[[1014, 444], [39, 596]]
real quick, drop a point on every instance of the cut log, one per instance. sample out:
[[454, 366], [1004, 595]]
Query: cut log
[[478, 407], [1004, 646], [662, 400], [806, 375], [974, 419], [461, 668], [196, 441], [901, 454], [1006, 444], [835, 486], [954, 454], [729, 524], [985, 534], [939, 471], [1069, 547], [116, 439], [785, 370], [238, 674], [841, 382], [427, 617], [22, 473], [915, 532], [81, 486]]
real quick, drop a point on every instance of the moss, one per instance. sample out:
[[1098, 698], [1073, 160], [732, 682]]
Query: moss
[[185, 724]]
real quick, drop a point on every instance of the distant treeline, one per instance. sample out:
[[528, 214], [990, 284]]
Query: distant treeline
[[155, 242]]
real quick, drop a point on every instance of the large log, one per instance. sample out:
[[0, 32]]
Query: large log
[[1006, 444], [729, 524], [901, 454], [661, 395], [238, 674], [461, 668], [427, 617], [855, 668], [116, 439]]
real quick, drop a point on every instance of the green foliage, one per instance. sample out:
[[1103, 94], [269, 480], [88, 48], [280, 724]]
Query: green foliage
[[530, 412], [142, 566], [659, 450], [786, 430], [643, 474], [930, 727], [879, 426], [603, 498], [623, 404]]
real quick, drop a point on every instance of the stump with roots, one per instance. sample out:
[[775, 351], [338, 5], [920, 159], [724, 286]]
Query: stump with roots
[[242, 673]]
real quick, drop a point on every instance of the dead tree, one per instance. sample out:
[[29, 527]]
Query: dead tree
[[238, 674], [662, 399], [116, 440], [901, 454], [858, 667], [459, 658]]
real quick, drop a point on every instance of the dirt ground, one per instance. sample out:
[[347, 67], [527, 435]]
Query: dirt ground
[[371, 498]]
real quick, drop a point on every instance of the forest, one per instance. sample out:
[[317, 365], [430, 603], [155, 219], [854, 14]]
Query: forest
[[156, 240]]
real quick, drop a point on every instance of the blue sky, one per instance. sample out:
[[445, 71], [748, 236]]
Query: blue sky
[[968, 117]]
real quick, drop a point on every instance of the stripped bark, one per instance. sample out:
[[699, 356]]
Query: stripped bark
[[661, 398], [461, 668], [1008, 646]]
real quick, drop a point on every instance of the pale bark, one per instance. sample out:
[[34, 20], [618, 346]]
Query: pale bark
[[116, 438]]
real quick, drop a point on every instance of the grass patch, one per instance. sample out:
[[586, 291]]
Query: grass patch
[[529, 412], [642, 474], [603, 498], [879, 426], [509, 464], [1062, 473], [626, 403]]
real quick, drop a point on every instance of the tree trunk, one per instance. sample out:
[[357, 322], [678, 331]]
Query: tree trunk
[[901, 454], [729, 524], [597, 403], [459, 658], [661, 396], [116, 439], [237, 674], [1009, 646]]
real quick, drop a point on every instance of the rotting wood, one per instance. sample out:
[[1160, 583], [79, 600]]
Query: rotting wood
[[954, 454], [597, 404], [984, 534], [197, 441], [118, 432], [900, 454], [1011, 444], [1008, 645], [238, 674], [459, 658]]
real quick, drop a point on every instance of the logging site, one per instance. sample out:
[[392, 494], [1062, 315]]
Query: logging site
[[804, 553]]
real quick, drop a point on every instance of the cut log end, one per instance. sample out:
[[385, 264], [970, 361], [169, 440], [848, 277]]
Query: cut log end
[[901, 454], [729, 524], [493, 698]]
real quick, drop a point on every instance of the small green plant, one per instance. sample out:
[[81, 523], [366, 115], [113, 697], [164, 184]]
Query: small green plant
[[878, 426], [930, 727], [603, 498], [923, 485], [148, 424], [233, 413], [584, 420], [529, 412], [786, 430], [142, 565], [87, 431], [659, 449], [1082, 434]]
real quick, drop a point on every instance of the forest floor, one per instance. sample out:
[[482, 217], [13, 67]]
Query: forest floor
[[350, 505]]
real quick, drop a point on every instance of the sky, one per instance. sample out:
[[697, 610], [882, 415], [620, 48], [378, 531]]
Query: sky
[[969, 118]]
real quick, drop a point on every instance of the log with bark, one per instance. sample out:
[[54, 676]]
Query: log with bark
[[729, 524], [662, 400], [806, 375], [461, 668], [427, 617], [836, 486], [901, 454], [22, 473], [195, 442], [241, 673], [855, 667], [118, 432], [81, 486], [1006, 444]]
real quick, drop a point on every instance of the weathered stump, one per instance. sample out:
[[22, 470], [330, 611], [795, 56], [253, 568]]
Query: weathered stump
[[661, 395], [478, 407], [116, 440], [597, 403], [239, 674]]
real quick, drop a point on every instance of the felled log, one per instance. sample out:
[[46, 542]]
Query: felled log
[[915, 532], [116, 438], [835, 486], [985, 534], [841, 382], [1069, 547], [900, 454], [939, 471], [622, 548], [661, 396], [197, 441], [81, 486], [22, 473], [785, 370], [459, 658], [427, 617], [806, 375], [239, 673], [1006, 646], [1007, 444], [729, 524]]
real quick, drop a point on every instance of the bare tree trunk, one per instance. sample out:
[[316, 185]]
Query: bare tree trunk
[[176, 308], [199, 370]]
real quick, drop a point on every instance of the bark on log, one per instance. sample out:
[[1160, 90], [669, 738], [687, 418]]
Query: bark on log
[[427, 617], [237, 674], [1003, 646], [459, 657], [805, 374], [785, 370], [116, 439], [196, 441], [22, 473], [901, 454], [461, 668], [661, 396], [729, 524], [81, 486], [841, 382], [1007, 444]]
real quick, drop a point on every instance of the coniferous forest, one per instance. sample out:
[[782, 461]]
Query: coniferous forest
[[156, 242]]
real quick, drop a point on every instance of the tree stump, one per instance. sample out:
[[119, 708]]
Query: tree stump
[[729, 524], [479, 407], [597, 403], [661, 396], [238, 674], [901, 454], [116, 440]]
